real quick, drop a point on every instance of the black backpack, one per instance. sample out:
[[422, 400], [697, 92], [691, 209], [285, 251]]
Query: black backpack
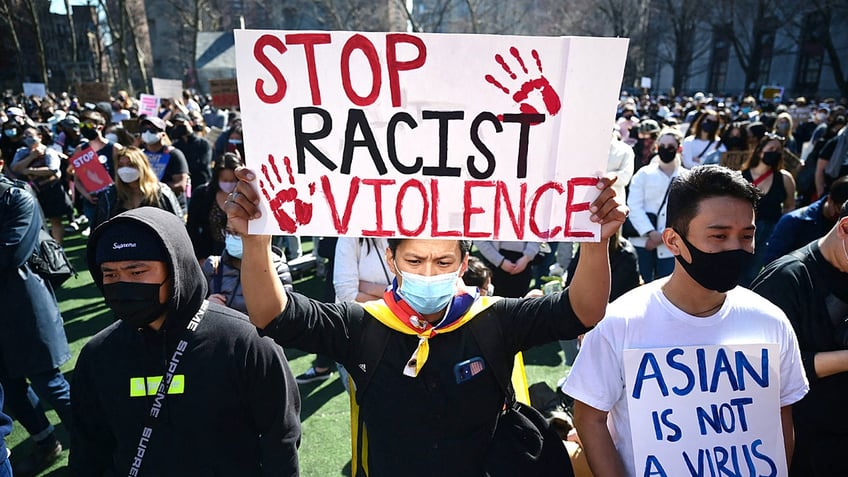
[[524, 443], [48, 260]]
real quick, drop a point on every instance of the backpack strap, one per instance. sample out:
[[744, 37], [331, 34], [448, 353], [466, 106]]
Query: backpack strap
[[489, 336], [372, 345]]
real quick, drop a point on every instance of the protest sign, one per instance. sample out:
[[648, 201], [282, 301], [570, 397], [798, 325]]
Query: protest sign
[[771, 93], [35, 89], [427, 135], [168, 88], [90, 171], [93, 92], [645, 82], [224, 92], [148, 105], [705, 410]]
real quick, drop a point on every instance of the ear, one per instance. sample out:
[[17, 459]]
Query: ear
[[672, 241], [390, 261], [842, 228], [464, 267]]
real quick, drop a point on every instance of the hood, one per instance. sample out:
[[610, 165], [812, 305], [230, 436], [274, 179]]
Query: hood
[[189, 283]]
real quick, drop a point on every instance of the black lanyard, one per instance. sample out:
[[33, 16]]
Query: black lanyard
[[152, 418]]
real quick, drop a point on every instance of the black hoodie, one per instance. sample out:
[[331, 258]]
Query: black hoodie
[[233, 408]]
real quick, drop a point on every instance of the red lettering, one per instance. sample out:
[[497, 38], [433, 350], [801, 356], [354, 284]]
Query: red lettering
[[342, 224], [309, 40], [394, 66], [259, 54], [359, 42], [399, 206], [434, 213], [502, 197], [572, 208], [534, 227], [470, 210], [378, 206]]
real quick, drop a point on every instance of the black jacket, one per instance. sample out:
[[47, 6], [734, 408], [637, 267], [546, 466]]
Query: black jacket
[[236, 411], [431, 425]]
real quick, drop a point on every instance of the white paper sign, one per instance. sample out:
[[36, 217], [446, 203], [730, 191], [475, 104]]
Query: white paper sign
[[168, 88], [35, 89], [646, 82], [705, 410], [427, 135], [148, 105]]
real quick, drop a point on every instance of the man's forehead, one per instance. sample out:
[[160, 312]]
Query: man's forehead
[[131, 264], [429, 246]]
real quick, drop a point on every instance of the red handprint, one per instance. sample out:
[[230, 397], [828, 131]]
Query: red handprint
[[288, 209], [539, 83]]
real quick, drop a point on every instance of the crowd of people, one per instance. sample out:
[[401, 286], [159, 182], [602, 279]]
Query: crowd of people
[[168, 249]]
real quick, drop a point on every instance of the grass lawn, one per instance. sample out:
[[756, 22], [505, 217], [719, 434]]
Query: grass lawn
[[325, 447]]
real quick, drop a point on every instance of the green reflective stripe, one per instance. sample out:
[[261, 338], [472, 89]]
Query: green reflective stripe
[[177, 384], [137, 385]]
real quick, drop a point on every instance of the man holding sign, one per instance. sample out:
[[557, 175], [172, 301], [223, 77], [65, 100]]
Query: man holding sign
[[688, 376]]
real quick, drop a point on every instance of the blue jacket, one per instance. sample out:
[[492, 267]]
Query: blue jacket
[[796, 229], [32, 333]]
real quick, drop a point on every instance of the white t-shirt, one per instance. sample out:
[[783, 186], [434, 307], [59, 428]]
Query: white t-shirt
[[644, 318], [692, 148]]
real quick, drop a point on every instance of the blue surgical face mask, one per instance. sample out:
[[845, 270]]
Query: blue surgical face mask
[[428, 295], [233, 246]]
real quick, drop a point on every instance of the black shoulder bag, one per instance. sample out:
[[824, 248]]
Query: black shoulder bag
[[629, 231]]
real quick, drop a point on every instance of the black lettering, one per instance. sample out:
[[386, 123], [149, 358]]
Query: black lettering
[[356, 119], [391, 140], [303, 140], [526, 120], [484, 150], [442, 170]]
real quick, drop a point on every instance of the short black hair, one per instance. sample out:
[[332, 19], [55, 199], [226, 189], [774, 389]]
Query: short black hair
[[705, 182], [477, 273], [844, 211], [464, 246], [838, 193]]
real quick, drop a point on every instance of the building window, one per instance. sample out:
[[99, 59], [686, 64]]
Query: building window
[[810, 54], [718, 60]]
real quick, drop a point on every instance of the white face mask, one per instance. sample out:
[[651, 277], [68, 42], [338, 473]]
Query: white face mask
[[150, 137], [822, 117], [128, 174], [112, 137]]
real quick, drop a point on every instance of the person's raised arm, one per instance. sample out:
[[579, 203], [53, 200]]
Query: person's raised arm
[[264, 294], [589, 290]]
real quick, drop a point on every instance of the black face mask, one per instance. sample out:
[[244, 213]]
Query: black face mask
[[718, 271], [666, 153], [179, 131], [709, 127], [88, 133], [771, 158], [135, 303], [735, 143]]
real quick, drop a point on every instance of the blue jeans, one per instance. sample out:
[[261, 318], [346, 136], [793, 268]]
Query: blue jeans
[[651, 267], [22, 400]]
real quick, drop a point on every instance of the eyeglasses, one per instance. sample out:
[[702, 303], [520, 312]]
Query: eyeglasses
[[150, 129]]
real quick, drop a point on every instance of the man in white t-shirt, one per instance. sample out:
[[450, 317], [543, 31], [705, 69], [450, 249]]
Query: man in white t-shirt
[[710, 230]]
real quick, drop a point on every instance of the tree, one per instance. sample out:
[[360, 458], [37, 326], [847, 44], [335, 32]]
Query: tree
[[6, 14], [684, 18], [39, 39], [750, 27]]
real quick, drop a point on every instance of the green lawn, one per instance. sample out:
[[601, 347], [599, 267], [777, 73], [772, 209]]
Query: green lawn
[[325, 448]]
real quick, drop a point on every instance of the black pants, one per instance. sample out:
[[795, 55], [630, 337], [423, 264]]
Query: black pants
[[507, 285]]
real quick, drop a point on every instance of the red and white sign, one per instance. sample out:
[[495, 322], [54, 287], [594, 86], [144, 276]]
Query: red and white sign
[[148, 105], [90, 171], [427, 135]]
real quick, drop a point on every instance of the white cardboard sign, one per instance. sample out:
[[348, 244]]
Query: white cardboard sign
[[35, 89], [427, 135], [168, 88], [705, 410]]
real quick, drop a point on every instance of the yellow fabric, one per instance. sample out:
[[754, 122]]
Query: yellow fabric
[[141, 386], [379, 310], [519, 380]]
